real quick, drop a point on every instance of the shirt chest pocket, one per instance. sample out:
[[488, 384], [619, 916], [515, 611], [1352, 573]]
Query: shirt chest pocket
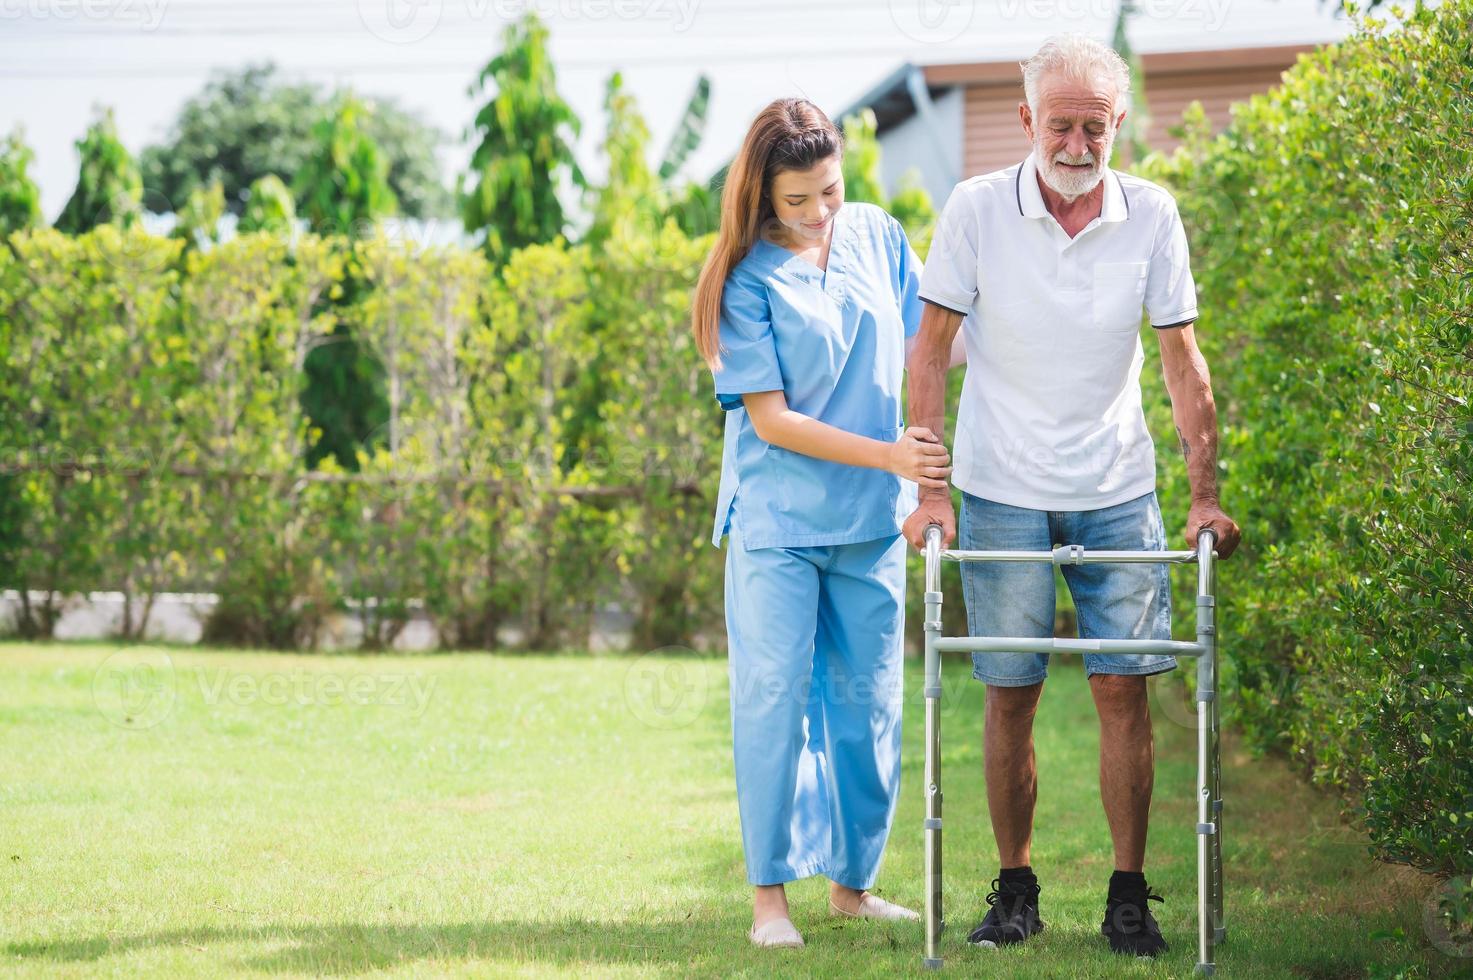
[[1119, 291]]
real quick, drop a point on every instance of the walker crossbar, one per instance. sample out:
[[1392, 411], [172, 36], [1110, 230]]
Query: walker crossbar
[[1017, 644], [1072, 554], [1210, 922]]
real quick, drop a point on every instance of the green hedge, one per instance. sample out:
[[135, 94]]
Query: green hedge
[[1332, 227], [552, 446]]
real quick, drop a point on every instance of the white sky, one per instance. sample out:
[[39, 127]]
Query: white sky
[[144, 58]]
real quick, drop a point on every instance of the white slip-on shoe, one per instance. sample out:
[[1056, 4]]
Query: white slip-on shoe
[[873, 907], [776, 933]]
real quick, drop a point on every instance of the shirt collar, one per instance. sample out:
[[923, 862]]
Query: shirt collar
[[802, 268], [1116, 206]]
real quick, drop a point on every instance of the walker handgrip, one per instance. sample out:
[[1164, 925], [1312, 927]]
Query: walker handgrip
[[933, 557]]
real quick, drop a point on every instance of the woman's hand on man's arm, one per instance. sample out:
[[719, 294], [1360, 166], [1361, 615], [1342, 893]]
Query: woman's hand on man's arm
[[918, 455]]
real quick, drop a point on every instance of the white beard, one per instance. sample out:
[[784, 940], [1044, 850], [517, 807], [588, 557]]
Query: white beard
[[1068, 183]]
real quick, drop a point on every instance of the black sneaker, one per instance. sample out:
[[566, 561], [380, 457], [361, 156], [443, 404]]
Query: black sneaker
[[1129, 924], [1013, 916]]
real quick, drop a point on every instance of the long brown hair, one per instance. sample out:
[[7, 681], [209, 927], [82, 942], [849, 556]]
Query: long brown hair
[[790, 134]]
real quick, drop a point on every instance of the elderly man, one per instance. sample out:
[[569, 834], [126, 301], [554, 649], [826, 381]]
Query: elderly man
[[1054, 259]]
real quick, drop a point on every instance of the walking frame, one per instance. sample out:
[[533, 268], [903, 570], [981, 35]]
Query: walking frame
[[1210, 924]]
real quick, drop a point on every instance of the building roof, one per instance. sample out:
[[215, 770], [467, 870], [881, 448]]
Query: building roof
[[892, 101], [1155, 64], [893, 97]]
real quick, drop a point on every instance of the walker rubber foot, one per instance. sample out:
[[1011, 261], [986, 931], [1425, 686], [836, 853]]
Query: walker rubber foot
[[931, 964]]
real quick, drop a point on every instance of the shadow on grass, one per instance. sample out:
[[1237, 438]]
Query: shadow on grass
[[694, 945]]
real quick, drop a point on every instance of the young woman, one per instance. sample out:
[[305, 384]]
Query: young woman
[[802, 312]]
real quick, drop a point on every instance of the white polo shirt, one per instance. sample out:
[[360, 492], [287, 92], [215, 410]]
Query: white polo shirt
[[1050, 415]]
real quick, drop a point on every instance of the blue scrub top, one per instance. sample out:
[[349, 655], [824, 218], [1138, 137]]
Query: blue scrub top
[[834, 341]]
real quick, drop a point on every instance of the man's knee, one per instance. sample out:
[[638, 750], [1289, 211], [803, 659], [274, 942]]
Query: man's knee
[[1013, 705], [1121, 699]]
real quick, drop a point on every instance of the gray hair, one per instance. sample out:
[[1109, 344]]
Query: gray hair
[[1078, 57]]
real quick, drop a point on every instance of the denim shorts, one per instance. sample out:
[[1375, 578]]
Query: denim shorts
[[1113, 601]]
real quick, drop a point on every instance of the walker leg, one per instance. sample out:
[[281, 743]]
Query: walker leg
[[1220, 915], [1208, 853], [934, 922], [934, 919], [1210, 921]]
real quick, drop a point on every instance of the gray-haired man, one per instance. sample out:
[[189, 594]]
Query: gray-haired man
[[1054, 259]]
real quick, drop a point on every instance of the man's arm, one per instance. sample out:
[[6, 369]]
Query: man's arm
[[1195, 413], [958, 350], [926, 368]]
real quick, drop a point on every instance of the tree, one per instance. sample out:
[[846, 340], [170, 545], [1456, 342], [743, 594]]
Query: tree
[[911, 205], [522, 147], [1132, 135], [20, 208], [697, 207], [20, 199], [689, 130], [199, 220], [409, 146], [344, 190], [632, 199], [862, 159], [109, 186], [269, 207], [343, 184], [245, 125]]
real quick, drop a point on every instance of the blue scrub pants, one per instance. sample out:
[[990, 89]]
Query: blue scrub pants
[[815, 639]]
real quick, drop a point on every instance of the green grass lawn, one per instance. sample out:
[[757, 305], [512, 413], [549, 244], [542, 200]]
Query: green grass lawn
[[182, 812]]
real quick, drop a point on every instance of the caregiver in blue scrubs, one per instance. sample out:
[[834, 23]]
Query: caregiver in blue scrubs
[[802, 312]]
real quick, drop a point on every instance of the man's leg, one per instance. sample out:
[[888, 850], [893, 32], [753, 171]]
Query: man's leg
[[1008, 599], [1127, 763], [1123, 601], [1012, 774]]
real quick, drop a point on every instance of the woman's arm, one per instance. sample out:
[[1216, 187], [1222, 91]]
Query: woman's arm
[[918, 455]]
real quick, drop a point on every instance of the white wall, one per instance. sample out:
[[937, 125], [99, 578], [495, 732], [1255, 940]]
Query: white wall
[[909, 145]]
